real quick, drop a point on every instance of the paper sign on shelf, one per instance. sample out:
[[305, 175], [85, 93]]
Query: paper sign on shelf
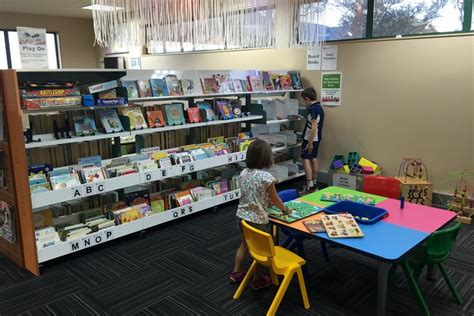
[[329, 57], [331, 88], [313, 57], [33, 49]]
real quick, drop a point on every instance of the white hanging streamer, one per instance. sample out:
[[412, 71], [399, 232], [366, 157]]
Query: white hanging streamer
[[232, 23]]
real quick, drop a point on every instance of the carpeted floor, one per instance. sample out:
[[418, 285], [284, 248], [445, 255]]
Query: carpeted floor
[[182, 269]]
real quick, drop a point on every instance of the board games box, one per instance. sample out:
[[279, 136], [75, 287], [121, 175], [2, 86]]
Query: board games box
[[38, 103]]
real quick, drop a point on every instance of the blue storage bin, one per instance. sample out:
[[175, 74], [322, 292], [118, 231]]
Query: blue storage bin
[[358, 210]]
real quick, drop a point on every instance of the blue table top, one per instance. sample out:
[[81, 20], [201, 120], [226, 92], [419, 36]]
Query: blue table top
[[382, 241]]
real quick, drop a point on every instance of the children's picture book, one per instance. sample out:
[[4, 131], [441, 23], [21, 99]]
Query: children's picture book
[[256, 83], [173, 84], [159, 87], [157, 202], [91, 161], [84, 125], [92, 174], [216, 140], [285, 82], [296, 81], [110, 121], [214, 185], [276, 82], [209, 86], [299, 210], [224, 83], [267, 81], [243, 146], [341, 226], [315, 226], [224, 109], [138, 197], [198, 154], [184, 198], [246, 87], [132, 88], [194, 115], [146, 165], [155, 118], [188, 87], [336, 197], [237, 85], [236, 108], [184, 157], [137, 121], [210, 115], [144, 88], [68, 179], [174, 114]]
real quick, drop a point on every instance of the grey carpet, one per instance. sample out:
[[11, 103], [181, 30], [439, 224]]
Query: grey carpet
[[182, 268]]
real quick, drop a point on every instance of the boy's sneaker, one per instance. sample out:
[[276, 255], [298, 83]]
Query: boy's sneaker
[[263, 282], [237, 277], [306, 190]]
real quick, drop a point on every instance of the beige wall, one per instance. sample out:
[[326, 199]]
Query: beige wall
[[76, 36], [406, 98]]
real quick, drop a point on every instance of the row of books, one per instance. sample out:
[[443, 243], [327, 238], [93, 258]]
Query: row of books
[[171, 85], [136, 205], [44, 177], [169, 114]]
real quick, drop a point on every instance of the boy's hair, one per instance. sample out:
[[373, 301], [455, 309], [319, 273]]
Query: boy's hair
[[309, 93], [259, 155]]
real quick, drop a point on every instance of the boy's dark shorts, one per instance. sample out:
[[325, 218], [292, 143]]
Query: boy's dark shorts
[[309, 155], [262, 227]]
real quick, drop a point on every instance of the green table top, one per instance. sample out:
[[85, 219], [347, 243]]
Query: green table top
[[316, 196]]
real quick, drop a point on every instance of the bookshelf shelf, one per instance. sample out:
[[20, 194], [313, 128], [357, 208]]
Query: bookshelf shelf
[[204, 96], [108, 234], [295, 176], [50, 140], [278, 149], [43, 199]]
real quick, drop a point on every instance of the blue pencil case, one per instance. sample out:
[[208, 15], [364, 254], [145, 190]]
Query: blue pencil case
[[364, 214]]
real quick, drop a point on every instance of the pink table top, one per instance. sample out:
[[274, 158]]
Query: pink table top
[[422, 218]]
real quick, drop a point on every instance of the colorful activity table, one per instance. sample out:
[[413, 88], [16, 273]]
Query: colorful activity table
[[387, 241]]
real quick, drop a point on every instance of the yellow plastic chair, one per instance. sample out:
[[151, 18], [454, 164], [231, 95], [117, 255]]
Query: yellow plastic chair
[[280, 261]]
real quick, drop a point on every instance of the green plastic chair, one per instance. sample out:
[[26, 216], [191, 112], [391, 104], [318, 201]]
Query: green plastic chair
[[436, 250]]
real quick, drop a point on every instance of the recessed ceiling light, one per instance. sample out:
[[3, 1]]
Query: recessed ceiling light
[[102, 7]]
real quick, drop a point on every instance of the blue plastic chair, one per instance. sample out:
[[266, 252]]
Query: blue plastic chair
[[295, 239]]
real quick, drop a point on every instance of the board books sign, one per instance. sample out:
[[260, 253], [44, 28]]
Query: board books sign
[[344, 181], [33, 49]]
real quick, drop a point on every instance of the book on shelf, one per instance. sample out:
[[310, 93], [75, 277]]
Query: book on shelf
[[138, 197], [84, 125], [246, 87], [188, 87], [267, 81], [236, 108], [127, 215], [110, 121], [62, 178], [295, 80], [182, 157], [135, 114], [46, 237], [210, 115], [91, 174], [132, 88], [198, 154], [157, 202], [159, 87], [256, 83], [224, 83], [209, 86], [224, 109], [144, 88], [285, 82], [155, 118], [276, 82], [173, 84], [146, 165], [174, 114], [237, 85], [194, 115], [43, 218]]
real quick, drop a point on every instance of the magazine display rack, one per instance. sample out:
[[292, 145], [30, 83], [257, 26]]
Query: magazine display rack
[[15, 150]]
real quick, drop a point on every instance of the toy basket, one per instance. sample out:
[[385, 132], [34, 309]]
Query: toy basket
[[364, 214]]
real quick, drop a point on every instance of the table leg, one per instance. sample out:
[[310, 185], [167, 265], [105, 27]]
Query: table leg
[[382, 283]]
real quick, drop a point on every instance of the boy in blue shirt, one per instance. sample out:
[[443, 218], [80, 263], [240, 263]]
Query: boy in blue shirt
[[312, 136]]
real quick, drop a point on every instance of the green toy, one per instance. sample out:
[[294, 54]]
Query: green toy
[[300, 210]]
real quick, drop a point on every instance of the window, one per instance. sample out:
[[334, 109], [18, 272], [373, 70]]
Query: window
[[3, 52], [410, 17], [14, 54], [342, 20]]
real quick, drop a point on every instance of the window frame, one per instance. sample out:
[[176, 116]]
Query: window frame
[[8, 51]]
